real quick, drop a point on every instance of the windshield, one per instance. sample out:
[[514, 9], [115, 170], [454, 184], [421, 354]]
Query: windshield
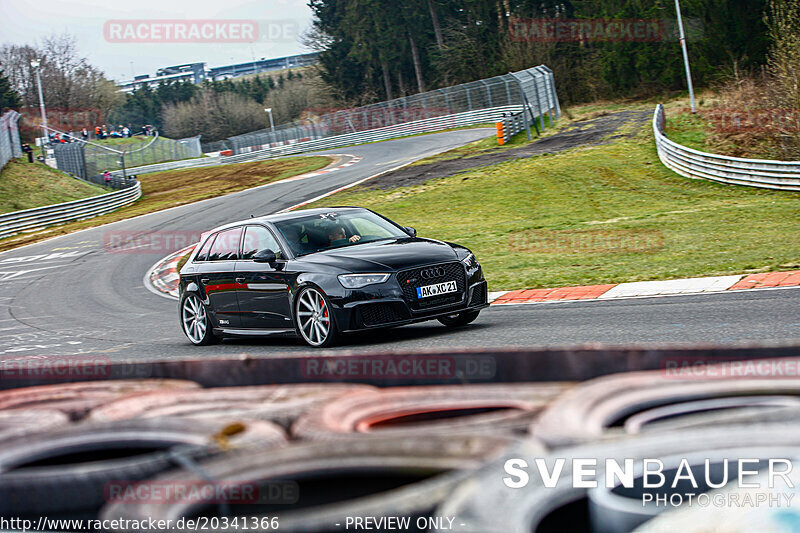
[[315, 233]]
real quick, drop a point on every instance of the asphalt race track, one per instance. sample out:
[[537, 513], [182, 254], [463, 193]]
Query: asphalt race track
[[83, 299]]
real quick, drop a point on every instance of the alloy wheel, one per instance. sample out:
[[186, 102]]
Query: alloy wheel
[[313, 317], [193, 316]]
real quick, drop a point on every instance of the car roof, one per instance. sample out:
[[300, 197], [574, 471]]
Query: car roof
[[280, 217]]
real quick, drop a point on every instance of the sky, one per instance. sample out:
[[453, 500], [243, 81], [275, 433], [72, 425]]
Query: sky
[[128, 38]]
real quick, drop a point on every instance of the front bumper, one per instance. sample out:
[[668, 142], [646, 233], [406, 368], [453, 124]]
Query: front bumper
[[381, 312]]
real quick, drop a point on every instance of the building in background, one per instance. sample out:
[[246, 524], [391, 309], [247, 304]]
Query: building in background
[[197, 72]]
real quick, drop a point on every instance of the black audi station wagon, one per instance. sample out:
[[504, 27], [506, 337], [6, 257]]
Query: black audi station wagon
[[323, 272]]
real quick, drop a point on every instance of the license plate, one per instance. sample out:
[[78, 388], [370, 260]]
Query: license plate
[[436, 290]]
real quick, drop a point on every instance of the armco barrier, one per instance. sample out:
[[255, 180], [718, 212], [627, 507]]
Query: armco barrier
[[458, 120], [479, 102], [511, 125], [39, 217], [763, 173]]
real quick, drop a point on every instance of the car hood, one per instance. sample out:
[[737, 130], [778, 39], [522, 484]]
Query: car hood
[[382, 255]]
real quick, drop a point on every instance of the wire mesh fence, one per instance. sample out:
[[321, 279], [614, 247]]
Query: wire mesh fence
[[531, 90], [10, 146], [90, 161]]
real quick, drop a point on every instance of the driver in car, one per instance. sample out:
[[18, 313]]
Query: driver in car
[[338, 236]]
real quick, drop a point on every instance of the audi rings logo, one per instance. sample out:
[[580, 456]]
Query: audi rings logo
[[431, 273]]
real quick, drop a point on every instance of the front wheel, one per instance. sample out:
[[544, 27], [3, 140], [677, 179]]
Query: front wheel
[[314, 319], [195, 321], [459, 319]]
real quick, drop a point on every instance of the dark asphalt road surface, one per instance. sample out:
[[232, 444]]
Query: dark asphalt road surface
[[70, 296]]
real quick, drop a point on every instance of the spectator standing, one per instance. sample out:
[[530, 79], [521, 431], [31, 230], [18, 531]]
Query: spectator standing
[[26, 149], [107, 178], [85, 134]]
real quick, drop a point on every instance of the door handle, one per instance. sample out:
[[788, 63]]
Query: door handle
[[204, 281], [240, 280]]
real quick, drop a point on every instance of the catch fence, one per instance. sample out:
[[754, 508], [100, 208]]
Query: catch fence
[[10, 146], [489, 100]]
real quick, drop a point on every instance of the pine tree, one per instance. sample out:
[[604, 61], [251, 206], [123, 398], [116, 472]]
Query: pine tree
[[8, 96]]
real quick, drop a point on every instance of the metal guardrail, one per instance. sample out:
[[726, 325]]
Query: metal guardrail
[[39, 217], [470, 118], [478, 102], [532, 88], [511, 125], [763, 173]]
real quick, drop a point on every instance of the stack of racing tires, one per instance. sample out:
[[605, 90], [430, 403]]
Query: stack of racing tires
[[324, 457]]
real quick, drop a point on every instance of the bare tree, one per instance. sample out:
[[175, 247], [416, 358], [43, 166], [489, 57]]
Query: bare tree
[[68, 80], [783, 21]]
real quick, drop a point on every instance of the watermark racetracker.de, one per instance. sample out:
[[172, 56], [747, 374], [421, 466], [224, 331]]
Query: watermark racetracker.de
[[201, 30], [586, 241], [393, 367], [557, 30], [201, 492], [67, 368], [153, 242], [733, 120], [689, 368]]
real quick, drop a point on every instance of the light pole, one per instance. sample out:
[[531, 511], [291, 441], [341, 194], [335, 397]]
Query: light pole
[[685, 55], [35, 64], [271, 123]]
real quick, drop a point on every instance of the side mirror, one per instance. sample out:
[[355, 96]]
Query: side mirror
[[265, 256], [411, 231]]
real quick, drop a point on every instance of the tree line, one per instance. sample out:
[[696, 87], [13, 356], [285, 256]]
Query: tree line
[[373, 50]]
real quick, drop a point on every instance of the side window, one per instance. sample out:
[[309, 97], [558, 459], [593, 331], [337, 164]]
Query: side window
[[258, 238], [202, 255], [226, 245]]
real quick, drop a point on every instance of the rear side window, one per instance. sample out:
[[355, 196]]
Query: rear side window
[[202, 255], [226, 245]]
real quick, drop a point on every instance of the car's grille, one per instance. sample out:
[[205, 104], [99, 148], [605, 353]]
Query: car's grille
[[411, 279], [478, 295], [380, 313]]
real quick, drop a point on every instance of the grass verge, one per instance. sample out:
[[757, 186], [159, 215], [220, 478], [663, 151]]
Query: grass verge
[[26, 185], [606, 214], [162, 190]]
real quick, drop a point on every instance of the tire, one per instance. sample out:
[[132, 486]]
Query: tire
[[195, 322], [623, 509], [18, 422], [66, 471], [459, 319], [314, 322], [77, 399], [387, 477], [603, 407], [502, 409], [281, 404], [484, 504], [730, 518]]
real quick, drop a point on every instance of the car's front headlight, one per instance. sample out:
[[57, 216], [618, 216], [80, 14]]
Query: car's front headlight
[[356, 281], [470, 261]]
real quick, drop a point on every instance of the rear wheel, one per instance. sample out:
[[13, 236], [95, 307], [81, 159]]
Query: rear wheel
[[459, 319], [195, 321], [312, 314]]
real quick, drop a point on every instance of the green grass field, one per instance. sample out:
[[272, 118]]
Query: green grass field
[[26, 185], [162, 190], [605, 214]]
